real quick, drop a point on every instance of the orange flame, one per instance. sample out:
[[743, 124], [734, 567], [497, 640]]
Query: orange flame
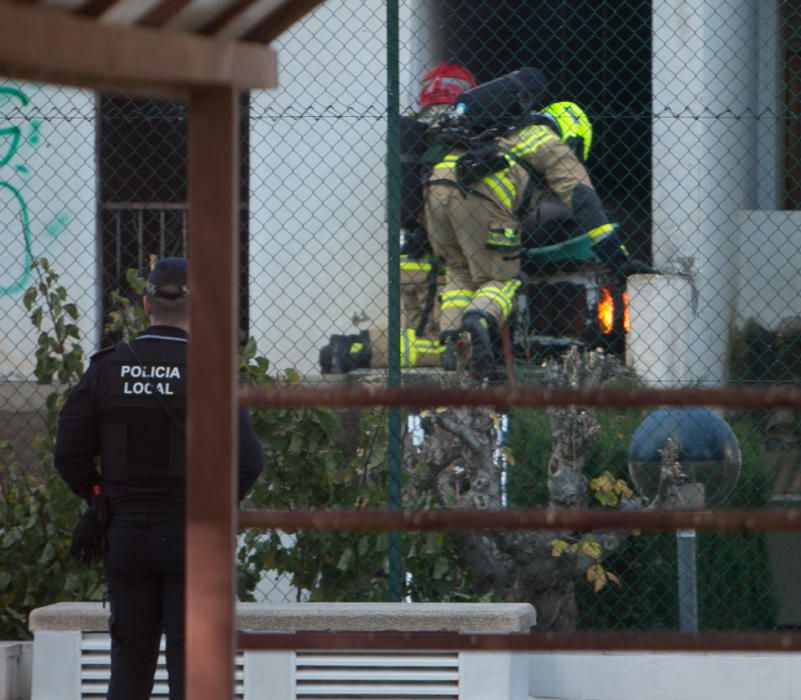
[[626, 324], [606, 311]]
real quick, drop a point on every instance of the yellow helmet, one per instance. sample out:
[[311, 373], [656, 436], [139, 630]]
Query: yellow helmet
[[573, 125]]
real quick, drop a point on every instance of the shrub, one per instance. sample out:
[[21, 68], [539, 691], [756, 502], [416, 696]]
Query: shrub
[[38, 511], [734, 581]]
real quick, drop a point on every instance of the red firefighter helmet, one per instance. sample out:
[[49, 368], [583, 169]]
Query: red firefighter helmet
[[443, 83]]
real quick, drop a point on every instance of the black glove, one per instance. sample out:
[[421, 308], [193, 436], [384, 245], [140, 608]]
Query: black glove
[[89, 535], [99, 503], [637, 267], [611, 252], [415, 243]]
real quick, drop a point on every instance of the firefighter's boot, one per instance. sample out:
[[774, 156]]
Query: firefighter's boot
[[482, 328], [448, 358], [345, 353]]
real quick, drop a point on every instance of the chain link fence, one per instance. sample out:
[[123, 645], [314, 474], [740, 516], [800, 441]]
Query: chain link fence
[[695, 158]]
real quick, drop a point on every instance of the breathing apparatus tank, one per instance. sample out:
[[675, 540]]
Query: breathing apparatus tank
[[502, 103], [413, 144]]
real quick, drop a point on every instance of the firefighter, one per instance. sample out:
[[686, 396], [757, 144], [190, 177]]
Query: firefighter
[[476, 197], [548, 221], [421, 273]]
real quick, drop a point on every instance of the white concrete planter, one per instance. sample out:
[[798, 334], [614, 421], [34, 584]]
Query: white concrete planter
[[15, 670], [71, 653]]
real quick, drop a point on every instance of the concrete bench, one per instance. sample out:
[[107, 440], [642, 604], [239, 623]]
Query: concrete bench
[[71, 653]]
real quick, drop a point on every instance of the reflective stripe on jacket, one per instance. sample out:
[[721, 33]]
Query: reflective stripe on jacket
[[542, 150]]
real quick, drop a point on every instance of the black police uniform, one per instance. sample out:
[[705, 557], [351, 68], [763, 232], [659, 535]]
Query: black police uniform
[[129, 408]]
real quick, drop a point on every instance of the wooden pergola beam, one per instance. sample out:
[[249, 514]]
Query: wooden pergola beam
[[95, 8], [280, 19], [54, 47], [225, 15], [163, 12], [211, 419]]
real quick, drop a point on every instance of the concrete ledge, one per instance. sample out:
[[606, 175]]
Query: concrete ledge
[[341, 617], [71, 644]]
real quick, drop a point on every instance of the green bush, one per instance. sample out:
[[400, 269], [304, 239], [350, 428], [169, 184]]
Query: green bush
[[38, 512], [734, 581], [37, 517], [318, 459]]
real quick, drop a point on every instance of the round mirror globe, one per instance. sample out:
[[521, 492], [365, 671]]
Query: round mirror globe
[[708, 452]]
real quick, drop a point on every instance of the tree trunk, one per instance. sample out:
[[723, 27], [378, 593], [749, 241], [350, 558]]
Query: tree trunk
[[459, 459]]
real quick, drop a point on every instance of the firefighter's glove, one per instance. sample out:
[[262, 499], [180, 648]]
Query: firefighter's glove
[[611, 253], [415, 243], [89, 535], [638, 267]]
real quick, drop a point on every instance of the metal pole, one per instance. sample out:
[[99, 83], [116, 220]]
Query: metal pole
[[692, 496], [393, 295], [688, 580]]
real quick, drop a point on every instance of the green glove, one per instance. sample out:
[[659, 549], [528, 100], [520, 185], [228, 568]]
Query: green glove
[[612, 253]]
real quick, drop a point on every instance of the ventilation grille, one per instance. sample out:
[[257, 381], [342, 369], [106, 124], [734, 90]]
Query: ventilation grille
[[382, 676], [96, 669]]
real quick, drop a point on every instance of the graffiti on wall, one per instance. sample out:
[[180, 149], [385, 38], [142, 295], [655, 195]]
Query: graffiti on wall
[[19, 135]]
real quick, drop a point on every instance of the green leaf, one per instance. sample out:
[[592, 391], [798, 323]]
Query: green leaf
[[434, 543], [558, 547], [441, 567], [29, 297], [47, 554], [296, 444], [345, 560], [590, 547], [36, 317], [11, 537]]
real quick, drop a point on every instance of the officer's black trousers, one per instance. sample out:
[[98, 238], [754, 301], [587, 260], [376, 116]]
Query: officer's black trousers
[[144, 567]]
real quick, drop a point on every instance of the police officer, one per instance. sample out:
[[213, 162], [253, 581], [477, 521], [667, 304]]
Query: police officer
[[129, 409]]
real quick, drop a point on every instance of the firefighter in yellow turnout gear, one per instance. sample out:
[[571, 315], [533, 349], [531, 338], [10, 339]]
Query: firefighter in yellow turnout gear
[[420, 281], [421, 273], [476, 197]]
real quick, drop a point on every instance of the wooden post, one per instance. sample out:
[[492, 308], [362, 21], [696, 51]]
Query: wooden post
[[211, 420]]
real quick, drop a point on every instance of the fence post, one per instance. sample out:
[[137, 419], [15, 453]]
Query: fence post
[[393, 296]]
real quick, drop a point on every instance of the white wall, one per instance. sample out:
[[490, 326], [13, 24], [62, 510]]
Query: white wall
[[705, 161], [715, 177], [318, 233], [47, 209], [767, 74], [769, 267], [633, 676]]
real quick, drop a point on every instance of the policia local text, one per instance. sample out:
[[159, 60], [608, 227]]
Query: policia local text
[[153, 372]]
